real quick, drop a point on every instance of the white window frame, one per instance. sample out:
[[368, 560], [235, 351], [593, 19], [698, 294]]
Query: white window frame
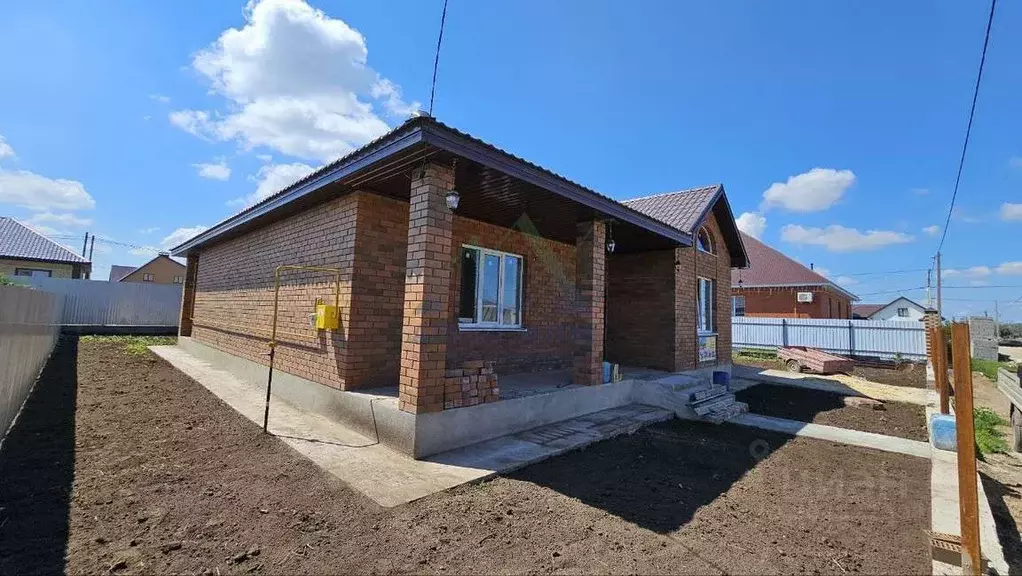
[[34, 272], [712, 310], [476, 324], [179, 279], [148, 277], [734, 305], [712, 250], [900, 315]]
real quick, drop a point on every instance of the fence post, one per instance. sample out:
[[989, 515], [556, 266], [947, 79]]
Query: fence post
[[968, 498], [938, 359], [851, 338], [784, 333]]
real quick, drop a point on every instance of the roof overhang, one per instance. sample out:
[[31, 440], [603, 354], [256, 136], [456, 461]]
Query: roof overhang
[[721, 208], [85, 263], [414, 141], [831, 285]]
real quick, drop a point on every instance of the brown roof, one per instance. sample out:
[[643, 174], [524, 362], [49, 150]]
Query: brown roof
[[683, 209], [769, 267], [866, 310], [20, 242]]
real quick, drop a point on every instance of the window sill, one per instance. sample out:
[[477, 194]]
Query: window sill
[[701, 334], [470, 328]]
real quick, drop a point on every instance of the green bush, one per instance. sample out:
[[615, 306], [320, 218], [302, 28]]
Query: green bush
[[988, 438]]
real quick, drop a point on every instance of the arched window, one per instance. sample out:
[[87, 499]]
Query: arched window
[[704, 241]]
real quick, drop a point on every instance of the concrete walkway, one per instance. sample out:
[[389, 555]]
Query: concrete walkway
[[834, 434], [388, 477], [745, 376]]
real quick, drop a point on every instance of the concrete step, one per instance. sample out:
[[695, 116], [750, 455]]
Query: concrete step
[[713, 404], [708, 392], [727, 413]]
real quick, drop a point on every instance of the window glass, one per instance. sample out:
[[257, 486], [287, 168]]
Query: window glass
[[738, 305], [703, 241], [705, 311], [509, 307], [469, 275], [490, 291], [903, 312]]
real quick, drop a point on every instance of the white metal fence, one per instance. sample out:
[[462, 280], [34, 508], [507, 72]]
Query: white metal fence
[[29, 328], [97, 303], [882, 339]]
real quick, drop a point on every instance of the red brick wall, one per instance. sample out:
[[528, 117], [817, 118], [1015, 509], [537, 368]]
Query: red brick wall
[[234, 292], [781, 302], [694, 263], [548, 302], [640, 309]]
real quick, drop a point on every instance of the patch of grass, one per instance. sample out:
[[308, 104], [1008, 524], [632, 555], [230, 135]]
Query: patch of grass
[[137, 345], [988, 438], [989, 367]]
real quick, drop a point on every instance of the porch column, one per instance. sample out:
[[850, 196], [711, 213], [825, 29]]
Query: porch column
[[427, 291], [188, 294], [590, 287]]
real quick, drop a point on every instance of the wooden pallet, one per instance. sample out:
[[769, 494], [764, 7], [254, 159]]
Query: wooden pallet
[[799, 358]]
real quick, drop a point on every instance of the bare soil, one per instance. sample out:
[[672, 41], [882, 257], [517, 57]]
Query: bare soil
[[123, 464], [895, 419], [908, 374]]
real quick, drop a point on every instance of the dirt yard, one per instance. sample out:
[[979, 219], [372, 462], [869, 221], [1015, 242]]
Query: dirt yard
[[909, 374], [896, 419], [122, 464]]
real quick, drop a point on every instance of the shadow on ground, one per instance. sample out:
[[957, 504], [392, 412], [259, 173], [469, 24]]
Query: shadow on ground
[[37, 470], [1007, 530], [660, 476]]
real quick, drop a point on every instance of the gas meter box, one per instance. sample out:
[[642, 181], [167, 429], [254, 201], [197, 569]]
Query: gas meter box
[[326, 317]]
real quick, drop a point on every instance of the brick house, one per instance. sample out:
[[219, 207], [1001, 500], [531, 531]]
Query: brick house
[[160, 270], [25, 252], [461, 264], [777, 286]]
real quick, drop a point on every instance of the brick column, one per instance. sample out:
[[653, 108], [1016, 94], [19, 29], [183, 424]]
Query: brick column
[[427, 290], [188, 295], [930, 319], [590, 286]]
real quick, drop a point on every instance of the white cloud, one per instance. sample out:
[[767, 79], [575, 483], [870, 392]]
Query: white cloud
[[845, 281], [272, 178], [180, 235], [752, 224], [950, 273], [812, 191], [5, 149], [149, 230], [822, 271], [1010, 268], [1011, 211], [296, 81], [160, 98], [973, 272], [35, 192], [841, 239], [932, 230], [978, 283], [214, 171], [45, 219], [147, 251]]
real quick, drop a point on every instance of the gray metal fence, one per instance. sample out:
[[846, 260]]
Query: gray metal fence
[[882, 339], [29, 327], [98, 303]]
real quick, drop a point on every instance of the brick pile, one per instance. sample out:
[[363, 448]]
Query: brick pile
[[474, 383]]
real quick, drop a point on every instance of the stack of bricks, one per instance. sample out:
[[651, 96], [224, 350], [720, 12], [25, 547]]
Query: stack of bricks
[[474, 383]]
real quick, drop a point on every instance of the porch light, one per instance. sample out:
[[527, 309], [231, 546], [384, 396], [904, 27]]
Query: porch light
[[611, 245], [452, 199], [610, 237]]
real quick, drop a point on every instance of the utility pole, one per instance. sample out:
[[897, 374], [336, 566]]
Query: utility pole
[[997, 322], [85, 244], [940, 310], [929, 300], [92, 246]]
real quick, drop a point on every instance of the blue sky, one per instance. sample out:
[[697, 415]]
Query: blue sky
[[834, 126]]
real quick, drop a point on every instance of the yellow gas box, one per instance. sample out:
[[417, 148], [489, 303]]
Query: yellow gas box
[[326, 317]]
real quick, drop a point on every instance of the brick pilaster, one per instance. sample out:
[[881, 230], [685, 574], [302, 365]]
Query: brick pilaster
[[590, 270], [427, 289], [188, 295], [930, 320]]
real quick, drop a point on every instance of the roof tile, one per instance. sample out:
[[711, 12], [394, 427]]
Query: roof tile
[[682, 209], [20, 241]]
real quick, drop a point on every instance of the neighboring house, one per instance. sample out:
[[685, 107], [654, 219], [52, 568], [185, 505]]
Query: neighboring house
[[777, 286], [460, 264], [900, 308], [25, 252], [160, 270]]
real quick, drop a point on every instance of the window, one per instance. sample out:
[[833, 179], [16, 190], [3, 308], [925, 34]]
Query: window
[[491, 289], [902, 312], [704, 241], [36, 272], [738, 305], [706, 290], [179, 279], [147, 277]]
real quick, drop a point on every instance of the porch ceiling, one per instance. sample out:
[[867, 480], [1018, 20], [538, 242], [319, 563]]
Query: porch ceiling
[[495, 187]]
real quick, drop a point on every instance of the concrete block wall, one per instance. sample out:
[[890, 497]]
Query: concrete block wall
[[983, 337]]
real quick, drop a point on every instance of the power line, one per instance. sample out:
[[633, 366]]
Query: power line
[[903, 271], [968, 128], [436, 59]]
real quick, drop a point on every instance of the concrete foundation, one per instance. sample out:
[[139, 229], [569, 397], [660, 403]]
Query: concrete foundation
[[422, 435]]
